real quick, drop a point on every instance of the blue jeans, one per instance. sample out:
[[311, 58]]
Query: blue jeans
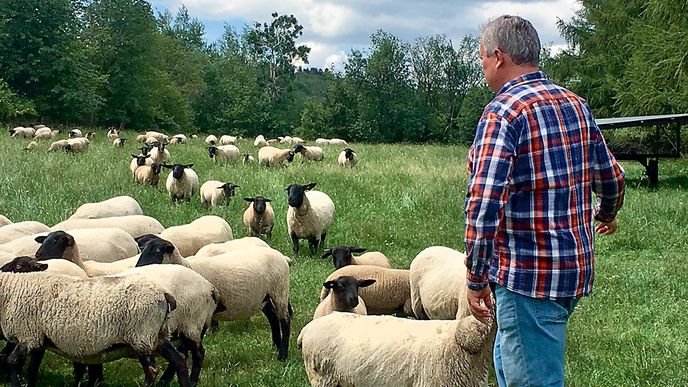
[[531, 339]]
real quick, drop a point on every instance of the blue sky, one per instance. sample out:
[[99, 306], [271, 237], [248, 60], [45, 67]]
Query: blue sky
[[333, 28]]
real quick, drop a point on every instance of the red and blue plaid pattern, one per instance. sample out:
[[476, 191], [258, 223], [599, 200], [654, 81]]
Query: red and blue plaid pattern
[[536, 160]]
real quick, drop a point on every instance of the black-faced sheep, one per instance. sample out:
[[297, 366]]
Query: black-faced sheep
[[226, 153], [342, 256], [182, 182], [213, 193], [259, 217], [343, 296], [309, 216], [312, 153], [273, 157], [347, 158]]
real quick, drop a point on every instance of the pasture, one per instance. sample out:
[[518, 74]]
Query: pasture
[[400, 199]]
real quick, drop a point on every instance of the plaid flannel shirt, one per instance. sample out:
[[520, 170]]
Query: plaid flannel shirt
[[536, 160]]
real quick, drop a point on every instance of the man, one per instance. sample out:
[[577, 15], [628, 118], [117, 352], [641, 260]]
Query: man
[[535, 162]]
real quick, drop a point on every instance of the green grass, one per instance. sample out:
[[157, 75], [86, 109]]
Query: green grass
[[400, 199]]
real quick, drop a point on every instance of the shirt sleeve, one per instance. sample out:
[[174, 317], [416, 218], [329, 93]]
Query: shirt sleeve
[[490, 163], [608, 182]]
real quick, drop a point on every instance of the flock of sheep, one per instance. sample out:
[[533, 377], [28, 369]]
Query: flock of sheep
[[154, 291]]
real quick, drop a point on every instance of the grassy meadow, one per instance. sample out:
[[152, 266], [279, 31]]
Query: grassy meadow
[[399, 200]]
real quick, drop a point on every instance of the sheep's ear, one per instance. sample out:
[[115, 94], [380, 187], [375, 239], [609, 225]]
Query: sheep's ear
[[40, 239], [267, 200], [309, 186], [358, 249], [188, 166], [329, 284], [147, 156], [326, 253], [134, 156], [168, 166], [249, 199], [169, 249], [365, 283]]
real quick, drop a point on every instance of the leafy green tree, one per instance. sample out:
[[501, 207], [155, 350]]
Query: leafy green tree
[[13, 107]]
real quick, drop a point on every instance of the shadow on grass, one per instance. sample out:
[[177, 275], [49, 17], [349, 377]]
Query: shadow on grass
[[671, 182]]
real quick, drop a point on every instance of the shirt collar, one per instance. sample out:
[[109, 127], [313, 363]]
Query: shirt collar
[[525, 78]]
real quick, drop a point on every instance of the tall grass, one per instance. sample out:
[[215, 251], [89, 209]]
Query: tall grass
[[398, 200]]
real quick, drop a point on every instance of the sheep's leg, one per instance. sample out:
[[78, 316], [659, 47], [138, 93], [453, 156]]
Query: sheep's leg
[[95, 375], [35, 359], [269, 312], [295, 244], [197, 356], [167, 376], [313, 245], [16, 360], [168, 351], [285, 324], [322, 240], [6, 352], [79, 371], [269, 233], [150, 371]]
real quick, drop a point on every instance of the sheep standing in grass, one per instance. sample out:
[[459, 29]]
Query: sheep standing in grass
[[225, 153], [4, 221], [260, 141], [189, 238], [247, 158], [273, 157], [148, 174], [92, 136], [113, 133], [115, 206], [178, 139], [23, 132], [347, 158], [438, 284], [77, 145], [119, 142], [346, 349], [309, 216], [343, 297], [57, 145], [33, 145], [210, 140], [342, 256], [159, 154], [213, 193], [322, 141], [45, 133], [391, 293], [134, 225], [227, 140], [182, 182], [259, 217], [313, 153], [75, 133], [338, 141]]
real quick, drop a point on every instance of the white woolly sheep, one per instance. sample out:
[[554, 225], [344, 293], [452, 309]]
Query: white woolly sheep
[[273, 157], [33, 145], [438, 284], [159, 154], [148, 174], [210, 140], [353, 350], [338, 141], [160, 137], [285, 140], [342, 256], [151, 141], [57, 145], [343, 297], [119, 142], [4, 220], [247, 158], [141, 138], [189, 238], [227, 153], [297, 140], [313, 153], [115, 206], [182, 182], [13, 231], [75, 133], [347, 158], [134, 225], [259, 217], [44, 133], [390, 294], [214, 192], [226, 140], [23, 132], [260, 142], [322, 141], [139, 160], [77, 144], [309, 216], [213, 249]]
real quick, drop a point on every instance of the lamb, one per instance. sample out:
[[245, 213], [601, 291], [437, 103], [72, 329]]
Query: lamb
[[119, 142], [322, 141], [248, 280], [115, 305], [213, 193], [210, 140], [13, 231], [33, 145], [159, 154], [224, 153], [260, 142], [4, 221], [259, 217], [23, 132], [341, 256], [313, 153], [115, 206], [77, 145], [213, 249], [309, 216], [390, 294], [347, 158], [140, 160], [57, 145], [113, 133], [247, 158], [273, 157], [189, 238], [74, 133], [148, 174], [134, 225], [182, 182], [92, 135], [349, 349], [438, 284], [338, 141], [226, 140], [344, 297]]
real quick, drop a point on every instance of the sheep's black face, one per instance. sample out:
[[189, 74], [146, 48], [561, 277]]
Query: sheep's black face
[[260, 204], [156, 168], [298, 148], [23, 265], [178, 171], [290, 157], [349, 153], [143, 240], [154, 252], [145, 150], [295, 194], [245, 157], [53, 245], [72, 134], [342, 255], [345, 291]]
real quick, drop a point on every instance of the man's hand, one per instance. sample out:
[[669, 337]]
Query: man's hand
[[479, 311], [603, 228]]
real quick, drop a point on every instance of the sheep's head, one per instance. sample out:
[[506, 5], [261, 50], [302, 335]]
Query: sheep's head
[[299, 148], [349, 153], [140, 159], [156, 168], [143, 240], [259, 204], [145, 150], [177, 169], [342, 255], [212, 151], [246, 157], [290, 156], [23, 264], [54, 245], [296, 193], [72, 134], [345, 291], [154, 252], [228, 189]]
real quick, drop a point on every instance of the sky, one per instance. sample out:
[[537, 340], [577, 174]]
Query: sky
[[332, 28]]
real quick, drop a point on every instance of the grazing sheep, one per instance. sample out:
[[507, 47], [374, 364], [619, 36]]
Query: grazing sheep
[[23, 132], [159, 154], [342, 256], [248, 280], [213, 193], [182, 182], [214, 249], [134, 225], [4, 220], [259, 217], [260, 142], [284, 140], [210, 140], [297, 140], [115, 206], [148, 174], [273, 157], [32, 146], [337, 141], [322, 141], [13, 231], [189, 238], [44, 133], [75, 133], [226, 140], [77, 145], [347, 158], [226, 153], [92, 135], [247, 158], [343, 297], [119, 142], [113, 133], [438, 284], [141, 138], [57, 145], [309, 216], [151, 141], [160, 137], [181, 138], [390, 294], [313, 153], [346, 349]]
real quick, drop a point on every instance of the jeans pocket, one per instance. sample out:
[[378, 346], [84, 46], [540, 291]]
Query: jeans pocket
[[551, 311]]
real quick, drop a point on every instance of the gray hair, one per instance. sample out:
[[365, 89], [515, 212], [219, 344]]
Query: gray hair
[[514, 36]]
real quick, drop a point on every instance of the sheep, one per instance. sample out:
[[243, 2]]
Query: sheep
[[322, 141], [44, 134], [341, 256], [260, 142], [273, 157], [4, 221], [285, 140], [313, 153], [39, 126], [141, 138], [139, 160], [210, 140], [247, 158], [74, 133], [343, 297], [438, 284], [213, 193], [390, 294], [259, 217], [128, 311], [115, 206], [148, 174], [159, 154], [92, 136], [54, 266], [182, 182], [347, 158], [77, 145], [160, 137], [248, 280], [23, 132], [226, 140], [178, 139], [337, 141], [350, 349], [151, 141], [224, 153], [13, 231], [113, 133], [134, 225], [32, 146], [23, 264], [189, 238], [213, 249], [309, 216], [119, 142], [57, 145]]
